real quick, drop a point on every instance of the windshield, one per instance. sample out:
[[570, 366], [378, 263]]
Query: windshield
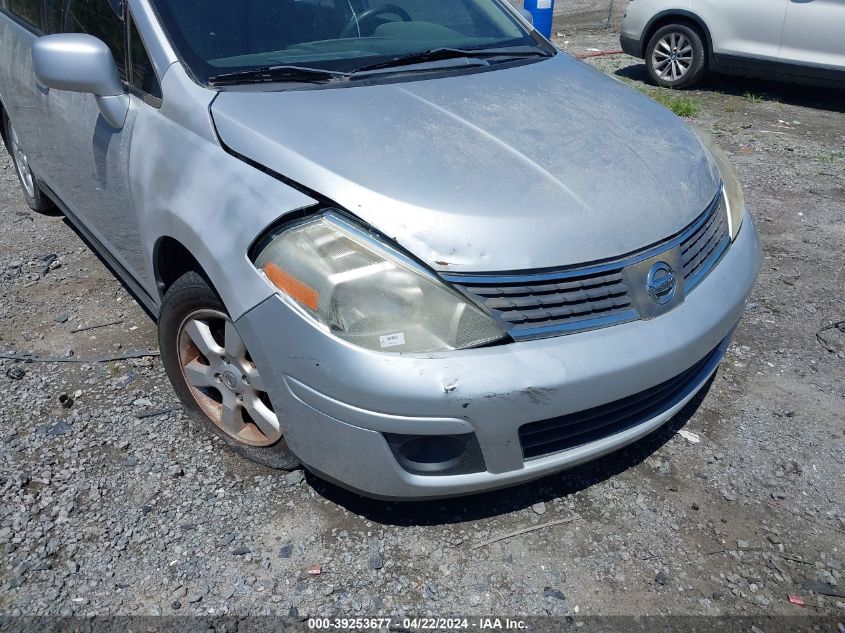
[[216, 37]]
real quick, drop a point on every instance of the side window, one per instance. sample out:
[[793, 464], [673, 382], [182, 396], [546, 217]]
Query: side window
[[99, 18], [143, 74], [29, 11]]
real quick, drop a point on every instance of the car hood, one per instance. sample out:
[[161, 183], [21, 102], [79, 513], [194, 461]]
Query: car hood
[[542, 165]]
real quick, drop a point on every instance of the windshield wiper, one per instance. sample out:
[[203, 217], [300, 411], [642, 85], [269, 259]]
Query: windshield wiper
[[437, 54], [267, 74], [305, 74]]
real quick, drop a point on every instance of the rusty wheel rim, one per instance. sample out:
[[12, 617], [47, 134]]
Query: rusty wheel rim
[[223, 379], [21, 162]]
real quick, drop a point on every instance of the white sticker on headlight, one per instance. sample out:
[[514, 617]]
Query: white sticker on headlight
[[392, 340]]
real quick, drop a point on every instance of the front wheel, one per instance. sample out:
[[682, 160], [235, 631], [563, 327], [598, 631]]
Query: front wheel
[[214, 375], [32, 193], [676, 56]]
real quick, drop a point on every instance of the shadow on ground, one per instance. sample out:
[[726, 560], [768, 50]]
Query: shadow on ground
[[818, 97], [499, 502]]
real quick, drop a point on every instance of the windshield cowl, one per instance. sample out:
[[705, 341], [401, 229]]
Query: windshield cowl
[[277, 73], [427, 61], [471, 57]]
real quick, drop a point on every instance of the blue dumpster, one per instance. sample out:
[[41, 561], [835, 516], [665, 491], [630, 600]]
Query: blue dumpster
[[542, 10]]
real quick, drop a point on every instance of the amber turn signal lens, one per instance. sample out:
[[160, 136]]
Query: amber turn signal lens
[[291, 286]]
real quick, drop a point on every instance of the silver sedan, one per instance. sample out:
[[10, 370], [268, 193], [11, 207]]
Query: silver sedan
[[411, 246]]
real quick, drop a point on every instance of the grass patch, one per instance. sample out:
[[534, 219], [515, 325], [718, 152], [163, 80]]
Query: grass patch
[[681, 105], [831, 156], [750, 97]]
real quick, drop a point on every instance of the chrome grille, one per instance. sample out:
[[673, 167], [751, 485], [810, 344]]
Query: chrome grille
[[561, 304], [704, 247], [535, 305]]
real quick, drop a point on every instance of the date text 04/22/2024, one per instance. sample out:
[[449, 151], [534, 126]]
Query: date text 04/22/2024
[[417, 624]]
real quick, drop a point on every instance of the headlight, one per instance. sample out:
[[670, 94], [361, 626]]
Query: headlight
[[365, 292], [733, 198]]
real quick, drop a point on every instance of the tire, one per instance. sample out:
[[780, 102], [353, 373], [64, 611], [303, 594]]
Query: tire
[[223, 393], [676, 56], [34, 196]]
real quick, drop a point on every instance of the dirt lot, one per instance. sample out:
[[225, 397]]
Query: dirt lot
[[107, 509]]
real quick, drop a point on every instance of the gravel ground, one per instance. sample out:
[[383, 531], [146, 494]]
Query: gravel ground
[[111, 503]]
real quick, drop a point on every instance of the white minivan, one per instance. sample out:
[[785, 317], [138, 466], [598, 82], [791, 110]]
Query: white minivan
[[793, 40]]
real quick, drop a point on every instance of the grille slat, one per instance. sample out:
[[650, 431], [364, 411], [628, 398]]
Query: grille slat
[[566, 311], [562, 287], [545, 437], [551, 300], [565, 302], [704, 248], [704, 232], [550, 303]]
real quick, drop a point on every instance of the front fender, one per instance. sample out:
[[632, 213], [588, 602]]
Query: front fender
[[185, 186]]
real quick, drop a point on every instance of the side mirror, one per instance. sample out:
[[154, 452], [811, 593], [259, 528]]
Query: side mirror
[[82, 63]]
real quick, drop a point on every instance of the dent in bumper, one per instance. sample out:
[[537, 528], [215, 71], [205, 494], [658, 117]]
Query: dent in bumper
[[335, 400], [367, 465]]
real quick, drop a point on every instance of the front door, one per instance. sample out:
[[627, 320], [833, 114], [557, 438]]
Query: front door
[[744, 28], [87, 164], [814, 33]]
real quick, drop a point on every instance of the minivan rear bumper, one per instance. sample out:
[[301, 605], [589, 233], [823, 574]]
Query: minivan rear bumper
[[347, 411]]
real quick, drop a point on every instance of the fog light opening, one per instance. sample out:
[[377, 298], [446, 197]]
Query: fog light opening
[[432, 454], [437, 455]]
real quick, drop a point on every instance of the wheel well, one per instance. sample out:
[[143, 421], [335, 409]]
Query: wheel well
[[689, 20], [172, 260]]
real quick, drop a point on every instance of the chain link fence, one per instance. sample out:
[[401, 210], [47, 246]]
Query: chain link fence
[[584, 16], [574, 16]]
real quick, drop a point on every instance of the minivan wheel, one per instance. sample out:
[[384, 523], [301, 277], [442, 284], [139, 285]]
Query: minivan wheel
[[676, 56], [35, 198], [214, 375]]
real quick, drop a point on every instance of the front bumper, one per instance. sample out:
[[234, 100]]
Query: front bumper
[[631, 45], [632, 33], [336, 402]]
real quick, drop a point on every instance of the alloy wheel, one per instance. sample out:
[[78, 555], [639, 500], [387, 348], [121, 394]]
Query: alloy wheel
[[224, 380], [21, 162], [673, 56]]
